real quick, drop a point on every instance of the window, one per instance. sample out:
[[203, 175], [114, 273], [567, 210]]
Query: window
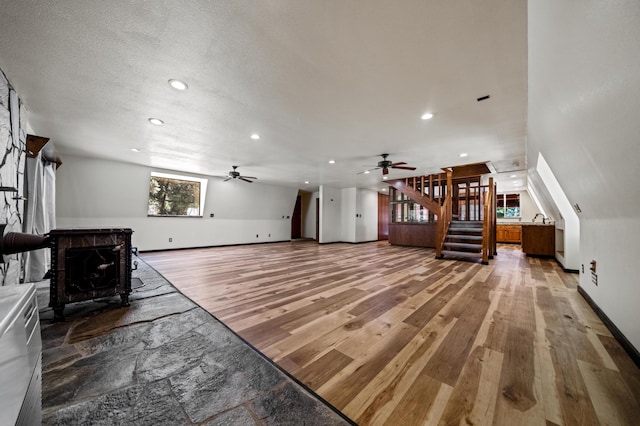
[[174, 195], [405, 210], [508, 205]]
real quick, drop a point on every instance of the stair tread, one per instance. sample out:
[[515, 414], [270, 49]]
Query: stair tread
[[464, 229], [460, 253], [465, 237], [464, 245]]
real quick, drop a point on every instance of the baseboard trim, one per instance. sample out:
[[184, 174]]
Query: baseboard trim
[[626, 344], [214, 246]]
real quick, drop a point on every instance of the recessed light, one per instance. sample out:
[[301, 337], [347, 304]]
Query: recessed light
[[384, 189], [427, 116], [332, 161], [178, 85], [463, 154], [384, 178], [513, 176], [306, 182], [156, 121], [255, 136], [135, 149], [366, 172]]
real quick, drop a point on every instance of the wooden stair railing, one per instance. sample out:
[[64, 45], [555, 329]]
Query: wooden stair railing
[[488, 223], [444, 211], [444, 221], [417, 196], [414, 188]]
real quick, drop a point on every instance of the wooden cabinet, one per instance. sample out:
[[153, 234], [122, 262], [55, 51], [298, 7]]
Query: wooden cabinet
[[539, 240], [508, 233]]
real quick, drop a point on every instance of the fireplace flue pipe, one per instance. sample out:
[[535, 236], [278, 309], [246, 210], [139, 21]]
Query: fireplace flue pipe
[[17, 242]]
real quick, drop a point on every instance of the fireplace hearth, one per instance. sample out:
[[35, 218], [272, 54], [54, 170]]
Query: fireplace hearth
[[89, 264]]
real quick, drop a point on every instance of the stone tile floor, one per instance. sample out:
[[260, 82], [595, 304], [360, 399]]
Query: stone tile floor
[[161, 361]]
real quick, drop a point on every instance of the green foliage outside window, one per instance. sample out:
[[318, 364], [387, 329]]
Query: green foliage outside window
[[173, 197], [508, 205]]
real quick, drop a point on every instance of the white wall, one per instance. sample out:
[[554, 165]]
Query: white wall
[[528, 208], [338, 210], [584, 104], [309, 215], [99, 193], [367, 208], [348, 213], [330, 214]]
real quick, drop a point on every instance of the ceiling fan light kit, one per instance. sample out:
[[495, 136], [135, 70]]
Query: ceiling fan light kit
[[385, 165], [234, 174]]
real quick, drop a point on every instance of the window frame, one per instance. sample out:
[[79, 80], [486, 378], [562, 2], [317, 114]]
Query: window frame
[[183, 178], [501, 204]]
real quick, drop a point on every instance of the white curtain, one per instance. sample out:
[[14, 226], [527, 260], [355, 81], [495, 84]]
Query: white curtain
[[40, 213]]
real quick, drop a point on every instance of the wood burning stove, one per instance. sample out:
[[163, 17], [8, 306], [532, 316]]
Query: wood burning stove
[[89, 264]]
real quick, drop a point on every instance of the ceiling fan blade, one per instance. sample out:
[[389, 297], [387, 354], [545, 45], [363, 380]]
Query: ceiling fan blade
[[385, 171], [398, 164], [368, 170], [403, 167], [248, 177], [228, 177], [246, 180]]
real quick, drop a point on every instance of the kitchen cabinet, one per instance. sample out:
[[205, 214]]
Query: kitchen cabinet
[[539, 240], [508, 233]]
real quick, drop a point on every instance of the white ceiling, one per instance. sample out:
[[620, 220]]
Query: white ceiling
[[316, 79]]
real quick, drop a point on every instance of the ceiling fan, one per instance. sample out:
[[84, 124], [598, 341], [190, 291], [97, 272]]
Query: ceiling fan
[[233, 174], [385, 165]]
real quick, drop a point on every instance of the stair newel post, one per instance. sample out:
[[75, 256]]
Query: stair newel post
[[487, 226], [444, 220], [494, 215]]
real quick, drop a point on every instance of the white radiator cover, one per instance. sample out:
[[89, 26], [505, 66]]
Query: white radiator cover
[[20, 356]]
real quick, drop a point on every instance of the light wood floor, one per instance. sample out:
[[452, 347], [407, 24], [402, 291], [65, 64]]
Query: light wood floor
[[390, 335]]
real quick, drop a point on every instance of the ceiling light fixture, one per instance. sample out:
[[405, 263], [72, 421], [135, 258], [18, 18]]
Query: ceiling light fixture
[[255, 136], [178, 85], [463, 154], [427, 116], [513, 176], [156, 121], [306, 182], [384, 178], [332, 161], [366, 172], [135, 149]]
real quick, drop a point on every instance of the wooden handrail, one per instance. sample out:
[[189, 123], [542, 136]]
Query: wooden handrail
[[488, 223], [444, 220]]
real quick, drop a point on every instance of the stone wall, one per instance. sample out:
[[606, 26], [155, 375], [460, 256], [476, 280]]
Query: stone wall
[[12, 166]]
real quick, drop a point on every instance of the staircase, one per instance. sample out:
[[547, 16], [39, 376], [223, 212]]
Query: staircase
[[473, 237], [463, 239]]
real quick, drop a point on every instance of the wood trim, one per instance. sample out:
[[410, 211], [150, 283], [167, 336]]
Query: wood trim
[[35, 144], [412, 234], [383, 216], [619, 336]]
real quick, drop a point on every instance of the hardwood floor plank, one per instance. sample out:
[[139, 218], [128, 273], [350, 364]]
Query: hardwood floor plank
[[470, 309], [319, 372], [629, 372], [381, 395], [391, 335], [547, 390], [414, 407], [350, 381], [577, 408], [603, 384]]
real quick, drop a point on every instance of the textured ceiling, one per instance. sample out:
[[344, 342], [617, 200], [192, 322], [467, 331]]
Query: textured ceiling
[[317, 80]]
